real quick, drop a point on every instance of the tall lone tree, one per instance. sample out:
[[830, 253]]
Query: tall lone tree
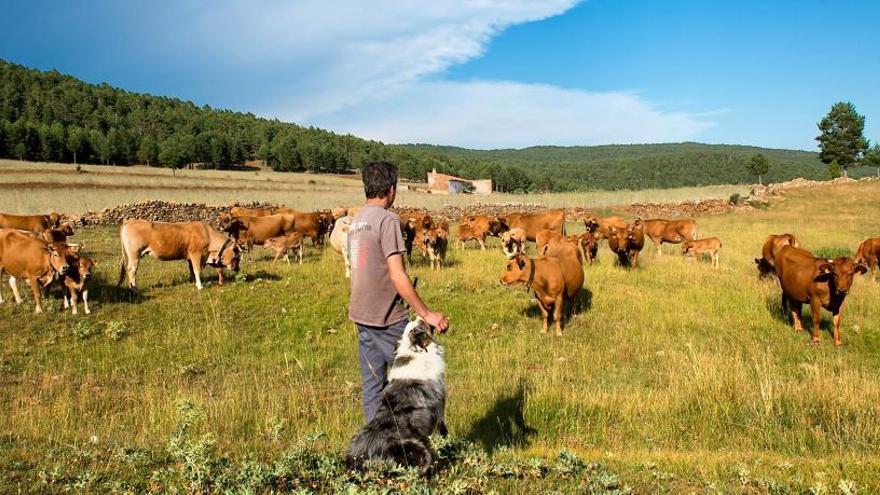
[[758, 166], [842, 136]]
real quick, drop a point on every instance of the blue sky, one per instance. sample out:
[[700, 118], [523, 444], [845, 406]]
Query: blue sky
[[485, 74]]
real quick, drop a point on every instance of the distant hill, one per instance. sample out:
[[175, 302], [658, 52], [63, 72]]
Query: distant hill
[[644, 165], [48, 116]]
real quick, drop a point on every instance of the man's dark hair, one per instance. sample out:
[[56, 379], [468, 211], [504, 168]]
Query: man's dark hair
[[378, 178]]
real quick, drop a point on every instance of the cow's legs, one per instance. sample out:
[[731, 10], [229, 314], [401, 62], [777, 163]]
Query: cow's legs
[[837, 340], [196, 262], [546, 314], [299, 252], [635, 259], [658, 243], [35, 289], [816, 309], [795, 308], [133, 262], [558, 308], [1, 285], [482, 241], [715, 259], [13, 284], [72, 300], [85, 296]]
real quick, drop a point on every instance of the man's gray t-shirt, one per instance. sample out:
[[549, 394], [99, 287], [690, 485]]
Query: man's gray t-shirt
[[374, 235]]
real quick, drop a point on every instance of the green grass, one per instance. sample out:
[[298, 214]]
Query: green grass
[[677, 378]]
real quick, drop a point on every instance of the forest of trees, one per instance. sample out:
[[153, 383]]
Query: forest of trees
[[48, 116]]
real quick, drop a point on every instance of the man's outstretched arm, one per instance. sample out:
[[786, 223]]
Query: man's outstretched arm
[[404, 287]]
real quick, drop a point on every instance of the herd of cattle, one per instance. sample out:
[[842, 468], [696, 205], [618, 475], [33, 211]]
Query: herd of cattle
[[35, 248]]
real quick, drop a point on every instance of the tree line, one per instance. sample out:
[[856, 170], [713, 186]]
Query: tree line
[[48, 116]]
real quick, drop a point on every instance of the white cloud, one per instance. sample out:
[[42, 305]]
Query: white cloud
[[375, 69], [491, 114]]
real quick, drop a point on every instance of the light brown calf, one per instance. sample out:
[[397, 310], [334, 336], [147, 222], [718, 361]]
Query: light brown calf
[[709, 245], [284, 244], [75, 281]]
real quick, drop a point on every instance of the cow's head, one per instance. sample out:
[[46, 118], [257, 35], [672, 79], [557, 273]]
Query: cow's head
[[687, 247], [839, 274], [764, 267], [516, 271], [58, 257], [54, 219], [84, 267], [497, 226], [591, 224], [617, 239], [66, 228], [229, 255]]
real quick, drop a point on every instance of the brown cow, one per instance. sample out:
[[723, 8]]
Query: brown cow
[[513, 242], [483, 226], [772, 245], [589, 246], [552, 284], [314, 225], [709, 245], [532, 223], [436, 241], [819, 282], [241, 211], [251, 231], [601, 226], [869, 254], [671, 231], [75, 280], [466, 233], [284, 244], [32, 223], [627, 243], [547, 241], [412, 226], [195, 242], [59, 234], [39, 262]]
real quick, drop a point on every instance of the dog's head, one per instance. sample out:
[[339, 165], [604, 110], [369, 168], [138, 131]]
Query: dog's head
[[418, 335]]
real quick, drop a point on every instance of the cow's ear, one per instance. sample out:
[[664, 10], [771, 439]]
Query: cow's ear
[[826, 271], [861, 268]]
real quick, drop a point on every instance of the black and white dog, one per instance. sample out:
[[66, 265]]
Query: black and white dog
[[412, 408]]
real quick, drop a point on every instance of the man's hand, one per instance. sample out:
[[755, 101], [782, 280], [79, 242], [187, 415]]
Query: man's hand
[[436, 320]]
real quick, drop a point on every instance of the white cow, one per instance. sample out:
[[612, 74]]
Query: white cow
[[339, 241]]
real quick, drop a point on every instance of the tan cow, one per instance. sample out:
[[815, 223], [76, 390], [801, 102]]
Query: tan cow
[[532, 223], [547, 243], [413, 225], [550, 281], [627, 243], [709, 245], [589, 246], [32, 223], [254, 231], [772, 245], [600, 227], [284, 244], [241, 211], [869, 254], [513, 242], [466, 233], [35, 260], [195, 242], [671, 231], [58, 234], [314, 225], [339, 241]]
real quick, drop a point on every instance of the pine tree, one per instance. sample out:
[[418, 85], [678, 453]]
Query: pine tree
[[758, 166], [842, 136]]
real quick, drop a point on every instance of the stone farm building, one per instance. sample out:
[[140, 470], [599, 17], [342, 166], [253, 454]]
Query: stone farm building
[[450, 184]]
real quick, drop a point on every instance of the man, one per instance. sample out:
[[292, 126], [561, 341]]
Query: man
[[379, 282]]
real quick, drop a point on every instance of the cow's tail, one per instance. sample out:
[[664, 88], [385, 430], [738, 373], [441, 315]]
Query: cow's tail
[[123, 261]]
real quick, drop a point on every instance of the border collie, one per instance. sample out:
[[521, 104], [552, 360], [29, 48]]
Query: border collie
[[412, 408]]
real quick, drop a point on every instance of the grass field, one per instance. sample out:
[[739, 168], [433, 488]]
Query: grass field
[[37, 187], [675, 378]]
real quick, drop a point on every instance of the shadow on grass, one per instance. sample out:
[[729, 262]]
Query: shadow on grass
[[774, 307], [581, 303], [504, 424]]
